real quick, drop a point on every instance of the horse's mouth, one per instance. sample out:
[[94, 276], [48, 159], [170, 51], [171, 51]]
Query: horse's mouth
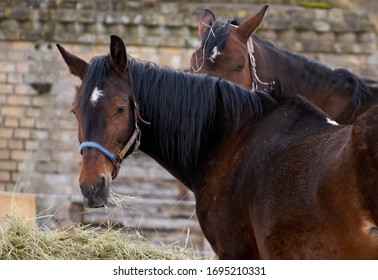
[[95, 201], [90, 203]]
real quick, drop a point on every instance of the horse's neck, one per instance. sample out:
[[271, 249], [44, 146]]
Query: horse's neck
[[295, 74], [153, 148], [190, 173], [154, 151]]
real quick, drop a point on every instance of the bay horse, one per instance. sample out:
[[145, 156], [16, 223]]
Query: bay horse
[[232, 51], [273, 177]]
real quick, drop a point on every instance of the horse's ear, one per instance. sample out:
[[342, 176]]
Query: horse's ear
[[248, 27], [76, 65], [206, 21], [118, 53]]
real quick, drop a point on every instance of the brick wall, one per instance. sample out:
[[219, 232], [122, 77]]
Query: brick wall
[[38, 140]]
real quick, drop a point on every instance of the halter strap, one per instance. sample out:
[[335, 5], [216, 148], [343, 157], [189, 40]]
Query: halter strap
[[255, 79], [107, 153], [116, 159], [99, 147]]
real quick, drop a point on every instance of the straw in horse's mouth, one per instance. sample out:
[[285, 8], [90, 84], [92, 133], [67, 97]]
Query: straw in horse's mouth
[[119, 200]]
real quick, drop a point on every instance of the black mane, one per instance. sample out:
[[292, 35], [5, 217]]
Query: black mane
[[358, 88], [190, 103], [216, 35]]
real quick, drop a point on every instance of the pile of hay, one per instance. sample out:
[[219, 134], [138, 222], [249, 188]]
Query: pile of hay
[[21, 240]]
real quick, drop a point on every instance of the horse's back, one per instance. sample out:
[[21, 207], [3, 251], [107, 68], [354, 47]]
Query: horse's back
[[365, 157], [305, 205]]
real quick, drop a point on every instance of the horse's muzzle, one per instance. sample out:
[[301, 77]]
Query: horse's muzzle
[[95, 195]]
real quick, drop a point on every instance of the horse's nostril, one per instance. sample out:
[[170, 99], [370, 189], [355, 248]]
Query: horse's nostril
[[102, 180], [100, 187]]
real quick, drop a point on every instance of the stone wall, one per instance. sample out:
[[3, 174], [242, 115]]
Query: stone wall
[[38, 140]]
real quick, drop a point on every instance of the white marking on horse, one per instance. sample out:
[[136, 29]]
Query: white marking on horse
[[331, 121], [214, 54], [96, 94]]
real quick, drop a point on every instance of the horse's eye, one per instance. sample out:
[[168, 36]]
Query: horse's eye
[[121, 110], [239, 68]]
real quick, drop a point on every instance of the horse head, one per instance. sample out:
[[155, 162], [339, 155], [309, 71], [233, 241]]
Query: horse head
[[106, 113], [227, 49]]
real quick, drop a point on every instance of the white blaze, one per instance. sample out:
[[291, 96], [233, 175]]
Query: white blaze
[[96, 94], [214, 54]]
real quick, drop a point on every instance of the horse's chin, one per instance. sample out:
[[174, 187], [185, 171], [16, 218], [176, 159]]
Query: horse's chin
[[94, 204]]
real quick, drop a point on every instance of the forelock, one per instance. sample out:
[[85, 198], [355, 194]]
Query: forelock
[[216, 37]]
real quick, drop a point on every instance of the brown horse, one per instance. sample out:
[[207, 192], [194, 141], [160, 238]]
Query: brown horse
[[231, 53], [272, 176]]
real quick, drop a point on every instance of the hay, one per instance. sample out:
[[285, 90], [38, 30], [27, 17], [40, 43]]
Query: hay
[[21, 240]]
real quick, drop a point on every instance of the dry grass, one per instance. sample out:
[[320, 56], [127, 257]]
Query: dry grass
[[21, 240]]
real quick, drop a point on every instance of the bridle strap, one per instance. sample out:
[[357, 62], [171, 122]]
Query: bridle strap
[[126, 148], [255, 79]]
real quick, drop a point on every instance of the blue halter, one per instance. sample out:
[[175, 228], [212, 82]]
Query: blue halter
[[116, 159], [99, 147]]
